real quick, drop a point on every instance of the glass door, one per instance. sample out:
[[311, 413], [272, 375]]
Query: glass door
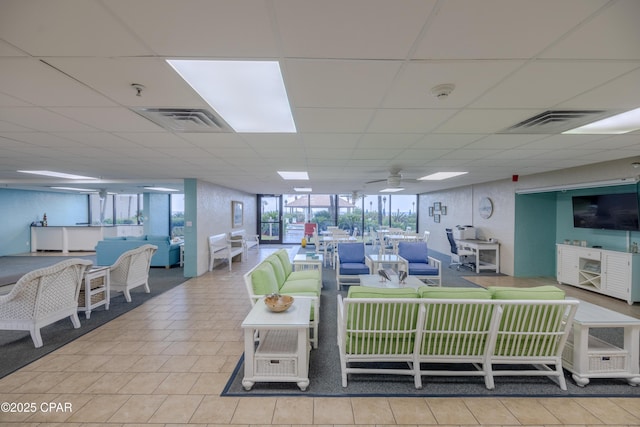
[[270, 218]]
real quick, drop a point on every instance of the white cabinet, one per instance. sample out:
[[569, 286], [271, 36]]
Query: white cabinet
[[611, 273]]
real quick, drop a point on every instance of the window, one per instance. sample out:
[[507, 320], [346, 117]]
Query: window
[[101, 209], [176, 219], [128, 208]]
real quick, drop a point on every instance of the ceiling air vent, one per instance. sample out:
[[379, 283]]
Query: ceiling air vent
[[556, 121], [185, 119]]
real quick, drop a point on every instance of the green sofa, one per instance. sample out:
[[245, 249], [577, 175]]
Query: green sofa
[[275, 275]]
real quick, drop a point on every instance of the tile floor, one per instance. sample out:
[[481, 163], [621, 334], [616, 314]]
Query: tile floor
[[166, 362]]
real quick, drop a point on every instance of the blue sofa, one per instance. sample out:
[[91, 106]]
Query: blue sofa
[[109, 249]]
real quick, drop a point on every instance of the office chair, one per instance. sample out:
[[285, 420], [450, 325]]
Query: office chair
[[458, 255]]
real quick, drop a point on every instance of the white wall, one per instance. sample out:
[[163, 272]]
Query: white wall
[[462, 209], [462, 204], [214, 216]]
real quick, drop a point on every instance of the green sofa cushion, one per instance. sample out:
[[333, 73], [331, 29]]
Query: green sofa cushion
[[388, 328], [263, 280], [283, 255], [309, 285], [547, 292], [453, 293], [281, 276], [368, 292]]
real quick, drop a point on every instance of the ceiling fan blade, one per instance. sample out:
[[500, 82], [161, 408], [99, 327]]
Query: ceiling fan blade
[[376, 180]]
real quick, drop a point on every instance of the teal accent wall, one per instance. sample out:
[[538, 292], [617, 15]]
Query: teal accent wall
[[535, 235], [21, 207], [191, 228], [615, 240]]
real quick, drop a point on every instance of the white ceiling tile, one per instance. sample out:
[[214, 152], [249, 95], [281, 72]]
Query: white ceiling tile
[[365, 29], [490, 29], [233, 29], [546, 83], [341, 84], [335, 120], [67, 28], [620, 40], [110, 119], [484, 121], [408, 120]]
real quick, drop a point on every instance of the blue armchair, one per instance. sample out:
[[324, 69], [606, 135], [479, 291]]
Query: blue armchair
[[350, 262], [419, 263]]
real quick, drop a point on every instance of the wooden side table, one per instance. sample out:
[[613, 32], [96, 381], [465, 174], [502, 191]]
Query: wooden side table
[[282, 354], [95, 290]]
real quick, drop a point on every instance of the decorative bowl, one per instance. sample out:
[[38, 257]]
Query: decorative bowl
[[278, 303]]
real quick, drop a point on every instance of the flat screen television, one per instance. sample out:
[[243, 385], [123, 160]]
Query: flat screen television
[[606, 211]]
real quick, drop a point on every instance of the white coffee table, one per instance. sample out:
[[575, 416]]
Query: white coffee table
[[377, 261], [282, 354], [586, 356], [373, 281]]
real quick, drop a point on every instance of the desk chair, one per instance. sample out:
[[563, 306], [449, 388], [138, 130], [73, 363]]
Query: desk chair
[[459, 256]]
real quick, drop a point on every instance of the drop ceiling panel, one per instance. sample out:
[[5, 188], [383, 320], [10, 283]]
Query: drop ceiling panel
[[413, 87], [236, 29], [620, 40], [32, 81], [394, 141], [329, 142], [333, 120], [67, 28], [163, 87], [110, 119], [408, 120], [484, 121], [620, 93], [365, 29], [341, 84], [41, 119], [478, 29], [546, 83]]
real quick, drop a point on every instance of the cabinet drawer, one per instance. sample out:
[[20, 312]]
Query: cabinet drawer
[[594, 255]]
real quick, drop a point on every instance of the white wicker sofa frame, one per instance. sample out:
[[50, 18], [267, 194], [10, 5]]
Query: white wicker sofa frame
[[421, 332], [220, 247], [42, 297]]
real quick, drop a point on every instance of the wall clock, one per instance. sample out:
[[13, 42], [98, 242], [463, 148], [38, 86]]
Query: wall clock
[[485, 208]]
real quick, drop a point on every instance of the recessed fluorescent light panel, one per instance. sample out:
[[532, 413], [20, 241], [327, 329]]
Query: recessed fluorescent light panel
[[290, 175], [160, 189], [438, 176], [303, 189], [249, 95], [58, 174], [614, 125], [85, 190], [391, 190]]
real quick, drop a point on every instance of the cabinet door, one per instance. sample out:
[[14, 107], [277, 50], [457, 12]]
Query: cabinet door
[[616, 269], [567, 265]]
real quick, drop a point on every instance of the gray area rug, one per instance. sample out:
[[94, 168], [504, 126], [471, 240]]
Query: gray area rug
[[325, 378], [16, 347]]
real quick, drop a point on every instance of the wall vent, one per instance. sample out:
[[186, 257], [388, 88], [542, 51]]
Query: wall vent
[[185, 119], [556, 121]]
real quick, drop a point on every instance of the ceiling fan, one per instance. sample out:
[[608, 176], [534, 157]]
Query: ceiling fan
[[394, 179]]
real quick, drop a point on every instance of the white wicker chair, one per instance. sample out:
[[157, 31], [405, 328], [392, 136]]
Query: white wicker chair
[[131, 270], [42, 297]]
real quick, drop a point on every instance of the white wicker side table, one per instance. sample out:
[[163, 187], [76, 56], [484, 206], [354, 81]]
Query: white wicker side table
[[586, 356], [95, 291], [282, 354]]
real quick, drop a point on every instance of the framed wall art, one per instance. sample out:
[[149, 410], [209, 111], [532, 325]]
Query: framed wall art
[[236, 214]]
